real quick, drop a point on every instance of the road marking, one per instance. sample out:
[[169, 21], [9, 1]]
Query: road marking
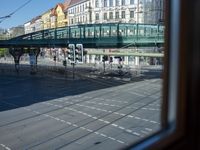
[[154, 122], [112, 138], [90, 130], [130, 116], [63, 121], [136, 133], [83, 128], [121, 127], [36, 112], [121, 114], [137, 118], [145, 132], [104, 104], [6, 147], [103, 135], [107, 122], [128, 130], [148, 129], [120, 141], [115, 125]]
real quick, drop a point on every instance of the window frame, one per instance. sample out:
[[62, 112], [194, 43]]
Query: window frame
[[123, 14], [117, 15], [111, 15], [132, 14], [180, 109]]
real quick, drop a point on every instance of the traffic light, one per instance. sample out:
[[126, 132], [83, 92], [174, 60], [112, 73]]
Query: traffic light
[[111, 59], [79, 53], [64, 62], [71, 53], [54, 58], [105, 58]]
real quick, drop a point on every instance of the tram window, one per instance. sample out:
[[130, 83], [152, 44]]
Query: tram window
[[178, 117], [128, 99]]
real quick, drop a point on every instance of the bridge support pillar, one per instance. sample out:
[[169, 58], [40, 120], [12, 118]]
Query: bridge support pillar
[[87, 59], [93, 59], [33, 54], [101, 58], [126, 60], [16, 53], [137, 60]]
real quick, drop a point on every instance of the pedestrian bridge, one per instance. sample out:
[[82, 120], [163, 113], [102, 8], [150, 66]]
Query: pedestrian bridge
[[112, 35]]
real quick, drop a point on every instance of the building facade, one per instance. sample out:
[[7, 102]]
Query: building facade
[[79, 12], [125, 11], [46, 19], [38, 23], [27, 27], [61, 18], [107, 11], [53, 18], [16, 31]]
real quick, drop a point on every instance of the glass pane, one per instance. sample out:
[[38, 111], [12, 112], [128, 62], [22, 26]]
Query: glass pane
[[94, 83]]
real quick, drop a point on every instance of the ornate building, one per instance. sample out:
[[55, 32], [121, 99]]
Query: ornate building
[[104, 11], [61, 18], [46, 19], [79, 12]]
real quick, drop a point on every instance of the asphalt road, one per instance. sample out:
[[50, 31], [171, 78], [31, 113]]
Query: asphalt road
[[48, 113]]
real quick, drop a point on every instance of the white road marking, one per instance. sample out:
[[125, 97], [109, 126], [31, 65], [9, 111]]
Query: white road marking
[[136, 133], [115, 125], [6, 147], [120, 141], [103, 135], [121, 127], [128, 130], [148, 129], [90, 130]]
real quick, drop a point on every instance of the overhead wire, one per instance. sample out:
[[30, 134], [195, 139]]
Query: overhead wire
[[12, 13]]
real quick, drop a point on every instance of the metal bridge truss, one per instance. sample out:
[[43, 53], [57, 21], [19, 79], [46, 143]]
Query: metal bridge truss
[[112, 35]]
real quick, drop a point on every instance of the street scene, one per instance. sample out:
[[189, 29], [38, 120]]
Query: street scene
[[42, 113], [80, 75]]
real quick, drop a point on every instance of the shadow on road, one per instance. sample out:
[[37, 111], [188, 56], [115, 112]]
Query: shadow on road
[[19, 91]]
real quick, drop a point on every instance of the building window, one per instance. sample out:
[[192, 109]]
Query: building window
[[117, 2], [111, 3], [83, 18], [123, 2], [132, 2], [83, 7], [96, 3], [131, 14], [97, 16], [105, 16], [105, 3], [123, 14], [117, 15], [111, 15]]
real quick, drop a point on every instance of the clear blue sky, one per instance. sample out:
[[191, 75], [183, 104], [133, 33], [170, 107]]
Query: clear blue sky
[[31, 10]]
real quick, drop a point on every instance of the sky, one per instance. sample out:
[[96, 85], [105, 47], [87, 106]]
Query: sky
[[25, 14]]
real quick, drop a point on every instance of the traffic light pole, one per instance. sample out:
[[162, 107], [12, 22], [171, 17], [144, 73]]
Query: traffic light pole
[[73, 64], [104, 67]]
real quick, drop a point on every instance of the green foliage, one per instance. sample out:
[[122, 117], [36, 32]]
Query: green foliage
[[3, 51]]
